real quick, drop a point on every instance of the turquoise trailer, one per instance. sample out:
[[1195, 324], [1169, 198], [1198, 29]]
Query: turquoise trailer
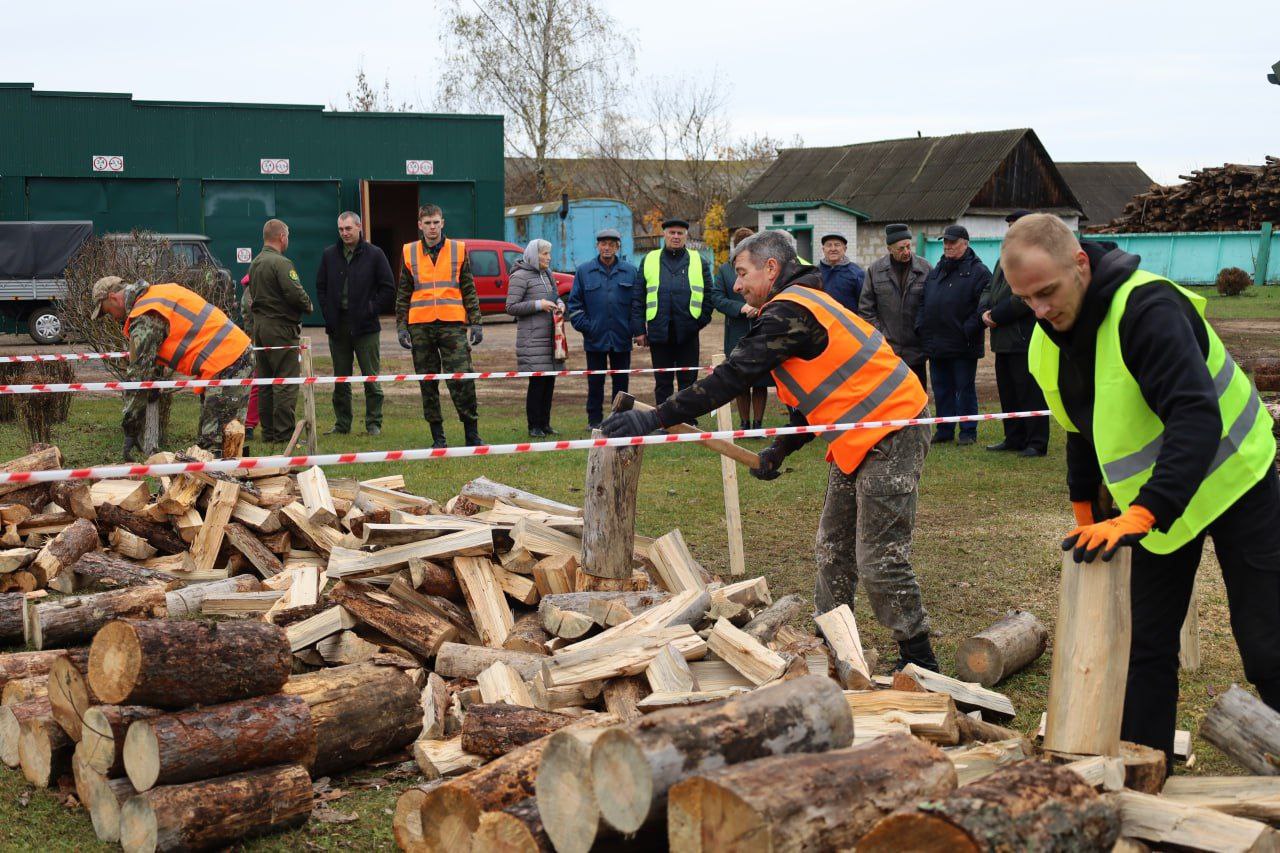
[[572, 236]]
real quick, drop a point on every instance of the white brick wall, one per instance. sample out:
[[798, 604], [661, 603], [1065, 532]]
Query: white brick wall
[[823, 220]]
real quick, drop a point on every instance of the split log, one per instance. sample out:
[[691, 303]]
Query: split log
[[12, 718], [265, 521], [1246, 729], [1145, 769], [807, 714], [1252, 797], [841, 631], [436, 579], [44, 751], [441, 608], [744, 653], [103, 736], [438, 759], [676, 568], [24, 690], [44, 459], [485, 492], [563, 622], [104, 798], [930, 716], [556, 574], [160, 536], [435, 701], [29, 664], [215, 813], [1029, 805], [75, 619], [485, 600], [793, 802], [527, 635], [418, 631], [258, 555], [622, 696], [130, 545], [972, 730], [517, 587], [180, 664], [669, 672], [782, 611], [1169, 823], [1008, 646], [346, 562], [106, 570], [980, 761], [213, 741], [682, 609], [129, 495], [60, 553], [186, 602], [456, 660], [345, 648], [74, 497], [360, 712], [12, 607], [233, 439], [493, 729], [209, 540], [501, 683], [609, 515], [627, 655], [968, 696], [1100, 772], [13, 559], [614, 608], [314, 487]]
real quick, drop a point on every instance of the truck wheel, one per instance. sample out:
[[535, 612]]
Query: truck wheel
[[45, 326]]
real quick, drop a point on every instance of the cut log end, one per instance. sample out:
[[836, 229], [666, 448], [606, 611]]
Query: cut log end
[[142, 756], [138, 827], [454, 817], [624, 802], [920, 833], [115, 663]]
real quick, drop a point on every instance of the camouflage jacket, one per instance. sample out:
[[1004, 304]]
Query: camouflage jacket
[[466, 283], [783, 330], [277, 292]]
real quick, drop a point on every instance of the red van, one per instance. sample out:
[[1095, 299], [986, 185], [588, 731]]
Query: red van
[[491, 264]]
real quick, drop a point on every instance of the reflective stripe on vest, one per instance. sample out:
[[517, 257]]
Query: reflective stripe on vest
[[1128, 436], [202, 340], [437, 296], [857, 377], [652, 273]]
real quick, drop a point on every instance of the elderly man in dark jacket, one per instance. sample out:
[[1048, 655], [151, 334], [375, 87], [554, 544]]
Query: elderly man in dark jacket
[[354, 286], [841, 277], [668, 309], [1011, 322], [950, 329], [600, 309], [891, 297]]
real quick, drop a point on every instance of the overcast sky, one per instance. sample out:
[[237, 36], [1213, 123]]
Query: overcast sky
[[1174, 85]]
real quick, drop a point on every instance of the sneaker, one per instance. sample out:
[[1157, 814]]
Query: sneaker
[[373, 430], [966, 440]]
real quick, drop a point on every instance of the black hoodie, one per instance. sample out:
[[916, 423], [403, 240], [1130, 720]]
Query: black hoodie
[[1164, 346]]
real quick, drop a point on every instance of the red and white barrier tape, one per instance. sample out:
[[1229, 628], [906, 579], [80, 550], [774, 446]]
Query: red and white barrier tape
[[96, 356], [155, 384], [168, 469]]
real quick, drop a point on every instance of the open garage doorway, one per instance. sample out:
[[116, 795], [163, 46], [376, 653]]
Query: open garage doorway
[[390, 213]]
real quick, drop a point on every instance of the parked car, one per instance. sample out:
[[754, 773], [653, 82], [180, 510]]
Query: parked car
[[491, 264]]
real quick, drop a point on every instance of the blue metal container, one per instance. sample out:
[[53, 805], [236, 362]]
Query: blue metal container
[[573, 238]]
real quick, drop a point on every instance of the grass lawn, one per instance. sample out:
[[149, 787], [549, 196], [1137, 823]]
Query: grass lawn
[[1256, 303], [986, 541]]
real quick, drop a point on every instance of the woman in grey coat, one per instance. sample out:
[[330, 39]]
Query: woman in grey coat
[[533, 300]]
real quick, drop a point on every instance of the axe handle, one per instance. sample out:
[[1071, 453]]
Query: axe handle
[[719, 445]]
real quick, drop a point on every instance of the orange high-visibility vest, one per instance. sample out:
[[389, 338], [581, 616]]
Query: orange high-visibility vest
[[202, 340], [437, 298], [858, 377]]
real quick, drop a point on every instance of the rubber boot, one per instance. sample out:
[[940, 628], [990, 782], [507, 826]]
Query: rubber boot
[[919, 651], [471, 432], [437, 435]]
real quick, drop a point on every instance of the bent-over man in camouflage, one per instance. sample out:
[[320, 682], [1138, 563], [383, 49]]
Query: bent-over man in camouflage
[[171, 327], [830, 367]]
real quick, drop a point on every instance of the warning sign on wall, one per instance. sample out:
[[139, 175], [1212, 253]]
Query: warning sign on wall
[[244, 256], [419, 167], [108, 163], [274, 166]]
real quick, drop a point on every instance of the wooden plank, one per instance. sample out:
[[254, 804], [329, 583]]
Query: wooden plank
[[841, 631], [624, 656], [310, 631], [209, 540], [546, 541], [743, 653], [677, 570], [485, 600], [258, 555], [967, 696], [517, 587], [314, 487], [729, 481], [344, 562]]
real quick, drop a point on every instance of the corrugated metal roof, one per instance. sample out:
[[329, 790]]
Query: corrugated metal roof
[[1105, 188], [911, 180]]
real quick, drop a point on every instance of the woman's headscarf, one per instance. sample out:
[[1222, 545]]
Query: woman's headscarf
[[534, 249]]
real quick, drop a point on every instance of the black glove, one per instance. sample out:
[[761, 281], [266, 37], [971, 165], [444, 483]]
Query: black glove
[[131, 443], [632, 422], [477, 334], [403, 337], [770, 463]]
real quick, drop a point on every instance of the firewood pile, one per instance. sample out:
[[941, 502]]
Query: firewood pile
[[561, 682], [1231, 197]]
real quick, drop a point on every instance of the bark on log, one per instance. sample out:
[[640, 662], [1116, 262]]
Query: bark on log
[[107, 571], [773, 617], [806, 714], [206, 742], [185, 603], [609, 514], [1029, 805], [24, 690], [825, 801], [29, 664], [980, 731], [1009, 645], [161, 536], [69, 694], [360, 712], [496, 729], [103, 736], [180, 664], [212, 814], [1170, 824], [44, 751], [1244, 728], [527, 636], [103, 797], [12, 607], [44, 459], [11, 719], [417, 630], [74, 497], [58, 555], [437, 580], [455, 660], [76, 619]]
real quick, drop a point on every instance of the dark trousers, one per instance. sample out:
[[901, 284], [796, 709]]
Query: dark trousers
[[595, 384], [277, 404], [674, 354], [537, 401], [921, 370], [1247, 540], [1019, 392], [346, 350], [955, 392]]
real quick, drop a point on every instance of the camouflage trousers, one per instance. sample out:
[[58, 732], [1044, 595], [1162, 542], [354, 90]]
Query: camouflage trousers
[[443, 348], [865, 534], [220, 406]]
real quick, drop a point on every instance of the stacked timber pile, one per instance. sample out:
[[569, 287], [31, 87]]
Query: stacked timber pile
[[1231, 197]]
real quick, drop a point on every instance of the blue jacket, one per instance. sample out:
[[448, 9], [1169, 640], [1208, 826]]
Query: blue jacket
[[673, 300], [599, 304], [949, 322], [844, 282]]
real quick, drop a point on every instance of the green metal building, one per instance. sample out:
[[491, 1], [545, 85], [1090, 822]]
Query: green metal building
[[222, 169]]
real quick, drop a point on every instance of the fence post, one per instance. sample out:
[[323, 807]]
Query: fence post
[[309, 399], [1264, 256]]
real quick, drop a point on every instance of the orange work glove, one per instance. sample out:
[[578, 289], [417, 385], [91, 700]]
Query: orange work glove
[[1084, 513], [1106, 536]]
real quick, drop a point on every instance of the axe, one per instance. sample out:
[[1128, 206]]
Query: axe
[[624, 402]]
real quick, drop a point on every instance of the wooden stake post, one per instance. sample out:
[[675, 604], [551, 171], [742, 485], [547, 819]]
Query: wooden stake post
[[1189, 640], [732, 508], [309, 398], [1090, 657]]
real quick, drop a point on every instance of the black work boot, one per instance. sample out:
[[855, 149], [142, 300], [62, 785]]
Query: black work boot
[[919, 651], [437, 435], [471, 433]]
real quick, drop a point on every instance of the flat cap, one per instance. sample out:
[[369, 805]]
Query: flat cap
[[608, 234], [675, 222]]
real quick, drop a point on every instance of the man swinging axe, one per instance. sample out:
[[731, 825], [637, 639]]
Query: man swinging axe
[[1161, 421], [830, 367]]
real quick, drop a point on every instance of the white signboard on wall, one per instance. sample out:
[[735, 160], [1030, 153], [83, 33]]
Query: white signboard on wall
[[244, 256], [419, 167], [274, 165], [108, 163]]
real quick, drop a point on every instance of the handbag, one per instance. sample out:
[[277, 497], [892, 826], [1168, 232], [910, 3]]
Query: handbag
[[561, 349]]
